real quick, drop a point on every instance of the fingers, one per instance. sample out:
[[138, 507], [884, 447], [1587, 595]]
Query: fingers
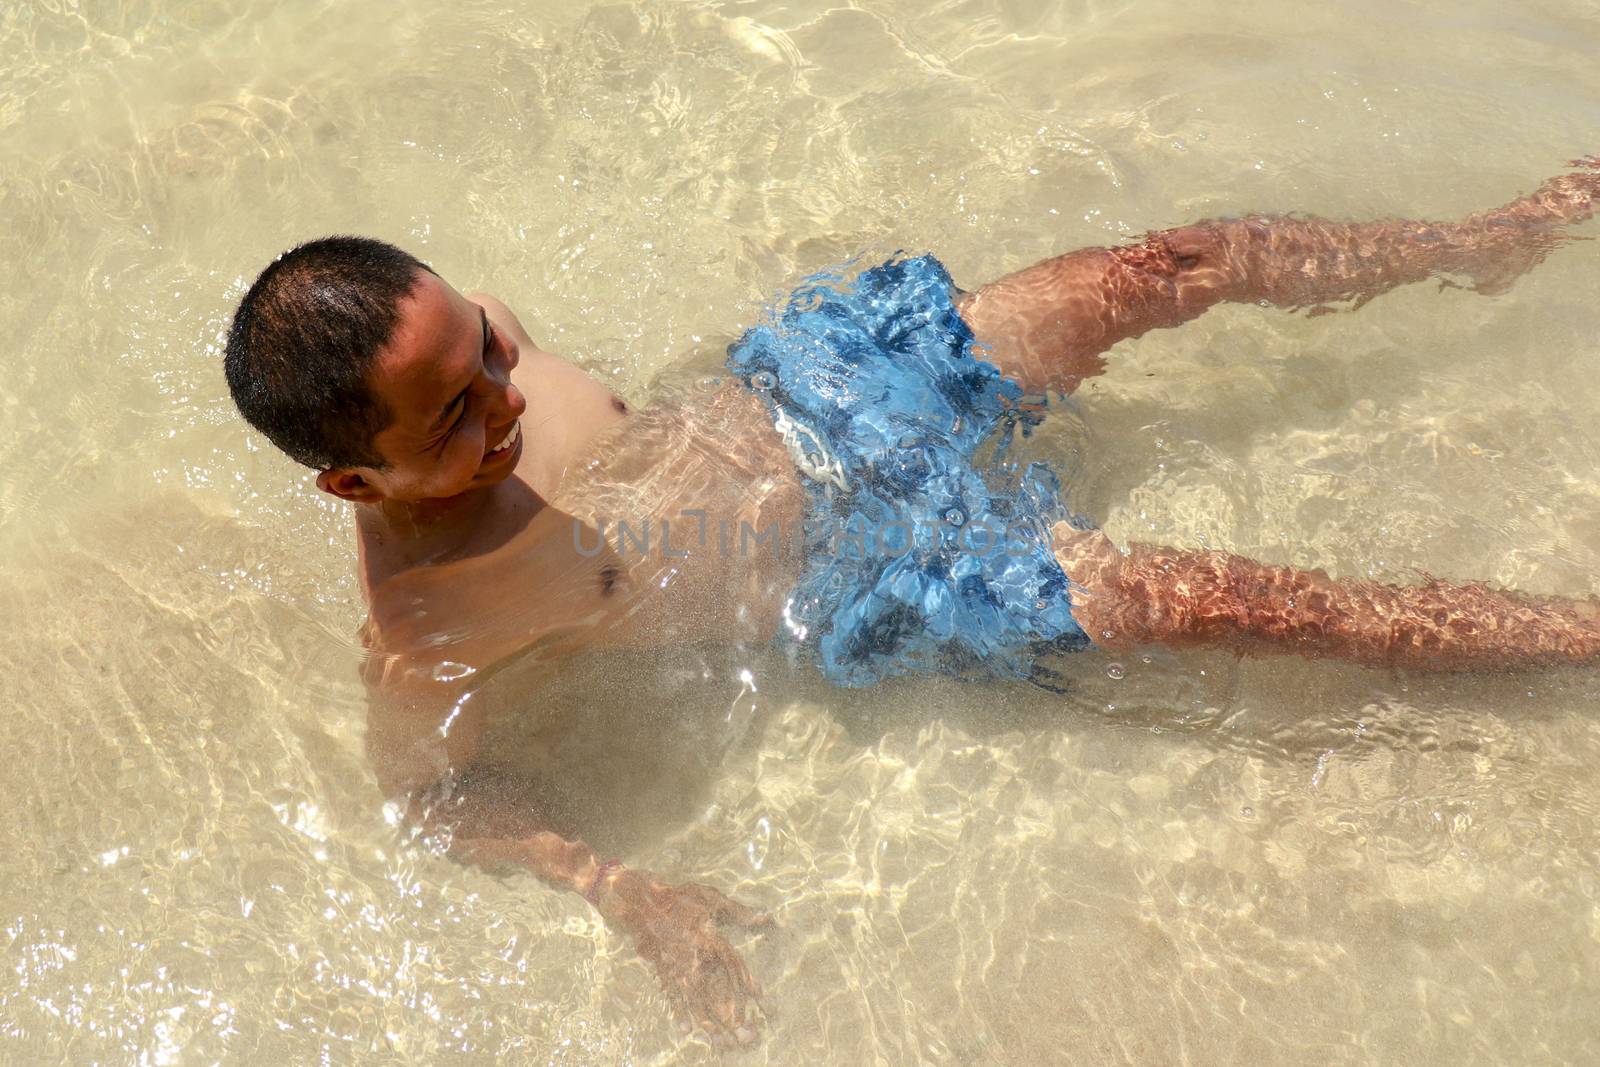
[[715, 995], [724, 909], [735, 1007], [707, 982]]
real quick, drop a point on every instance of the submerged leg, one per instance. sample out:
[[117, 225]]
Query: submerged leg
[[1179, 598], [1047, 326]]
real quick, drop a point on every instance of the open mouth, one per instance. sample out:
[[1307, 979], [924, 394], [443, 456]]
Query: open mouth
[[508, 440]]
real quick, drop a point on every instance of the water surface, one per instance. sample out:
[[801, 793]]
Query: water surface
[[1186, 859]]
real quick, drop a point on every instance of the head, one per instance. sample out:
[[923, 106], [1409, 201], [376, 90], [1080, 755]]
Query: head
[[357, 360]]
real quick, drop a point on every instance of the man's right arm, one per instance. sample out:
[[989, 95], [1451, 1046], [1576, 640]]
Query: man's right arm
[[425, 729], [421, 729]]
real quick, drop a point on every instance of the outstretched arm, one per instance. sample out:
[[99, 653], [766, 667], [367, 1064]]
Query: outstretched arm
[[1179, 598], [676, 927], [424, 737], [1046, 326]]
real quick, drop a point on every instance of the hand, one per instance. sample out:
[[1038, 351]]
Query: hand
[[675, 928]]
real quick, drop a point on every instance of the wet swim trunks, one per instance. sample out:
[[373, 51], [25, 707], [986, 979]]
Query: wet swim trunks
[[925, 550]]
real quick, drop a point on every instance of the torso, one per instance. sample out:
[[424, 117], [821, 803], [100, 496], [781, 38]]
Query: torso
[[535, 571]]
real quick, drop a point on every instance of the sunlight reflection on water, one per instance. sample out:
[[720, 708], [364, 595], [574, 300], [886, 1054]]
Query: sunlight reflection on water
[[1186, 859]]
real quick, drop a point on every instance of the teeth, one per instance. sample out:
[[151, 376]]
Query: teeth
[[509, 440]]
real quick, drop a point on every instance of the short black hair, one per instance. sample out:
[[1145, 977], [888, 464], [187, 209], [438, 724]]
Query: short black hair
[[302, 343]]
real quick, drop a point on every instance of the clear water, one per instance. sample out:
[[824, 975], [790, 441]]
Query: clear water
[[1201, 861]]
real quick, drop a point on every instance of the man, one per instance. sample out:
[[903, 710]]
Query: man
[[484, 468]]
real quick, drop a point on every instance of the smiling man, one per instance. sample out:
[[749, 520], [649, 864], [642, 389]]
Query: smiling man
[[483, 469]]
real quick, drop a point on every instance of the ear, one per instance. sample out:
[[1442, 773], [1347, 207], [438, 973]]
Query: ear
[[348, 483]]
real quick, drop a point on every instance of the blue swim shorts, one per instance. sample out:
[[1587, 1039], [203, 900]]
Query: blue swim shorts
[[925, 549]]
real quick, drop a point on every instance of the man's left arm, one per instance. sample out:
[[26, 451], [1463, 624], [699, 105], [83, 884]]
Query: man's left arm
[[1048, 325]]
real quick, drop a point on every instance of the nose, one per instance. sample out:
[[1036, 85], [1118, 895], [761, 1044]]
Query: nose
[[516, 403]]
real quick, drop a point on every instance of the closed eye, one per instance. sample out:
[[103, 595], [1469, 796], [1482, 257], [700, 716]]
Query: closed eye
[[455, 424], [460, 404]]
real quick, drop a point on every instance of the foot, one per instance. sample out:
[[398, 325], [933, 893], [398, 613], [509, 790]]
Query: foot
[[1562, 200]]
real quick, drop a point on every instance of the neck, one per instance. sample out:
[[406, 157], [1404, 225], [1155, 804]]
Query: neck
[[402, 533], [422, 520], [393, 536]]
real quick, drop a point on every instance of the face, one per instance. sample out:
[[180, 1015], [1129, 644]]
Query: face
[[446, 379]]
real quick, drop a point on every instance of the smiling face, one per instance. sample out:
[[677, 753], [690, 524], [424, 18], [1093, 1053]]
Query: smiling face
[[446, 377]]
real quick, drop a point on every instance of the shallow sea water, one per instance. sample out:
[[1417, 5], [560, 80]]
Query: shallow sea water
[[1185, 859]]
